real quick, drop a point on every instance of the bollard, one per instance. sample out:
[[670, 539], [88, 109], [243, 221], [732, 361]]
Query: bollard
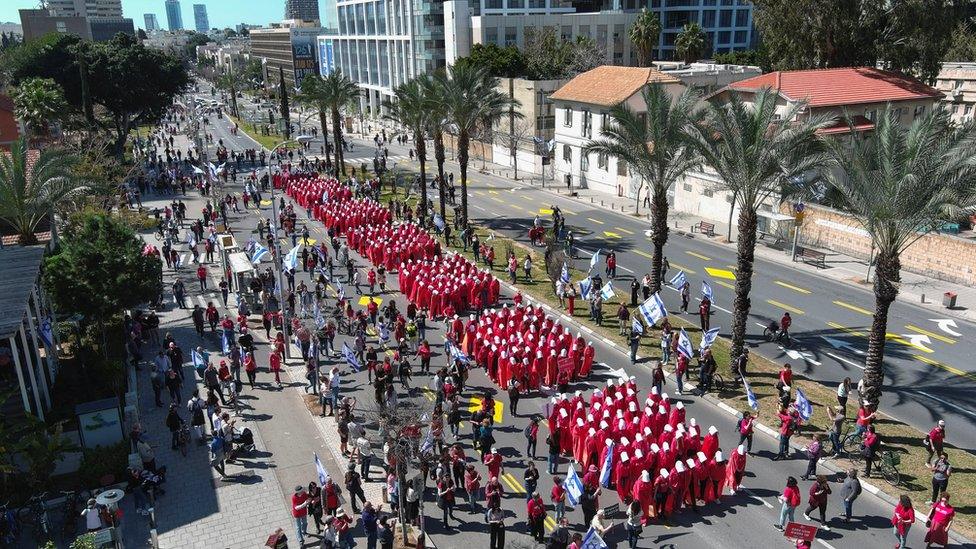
[[923, 298]]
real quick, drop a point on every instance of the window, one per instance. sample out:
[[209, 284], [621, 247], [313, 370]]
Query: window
[[568, 117], [370, 18], [566, 33], [740, 37], [602, 161], [511, 36], [708, 193], [969, 109], [516, 4], [725, 19], [724, 37], [708, 19], [601, 35], [491, 35], [584, 30], [567, 153], [584, 162], [621, 167], [869, 115], [604, 121], [687, 187], [958, 84], [381, 18], [587, 124], [742, 18], [919, 111]]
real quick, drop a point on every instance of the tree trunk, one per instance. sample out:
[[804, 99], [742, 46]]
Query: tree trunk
[[637, 198], [340, 162], [401, 496], [325, 133], [462, 156], [421, 147], [659, 236], [745, 257], [439, 156], [233, 100], [886, 276], [515, 163]]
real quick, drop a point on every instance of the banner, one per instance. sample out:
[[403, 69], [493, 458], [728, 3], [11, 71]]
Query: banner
[[585, 286], [706, 290], [350, 357], [708, 338], [679, 280], [750, 396], [803, 405], [323, 475], [290, 262], [653, 310], [684, 344], [573, 486], [592, 540], [607, 291], [564, 276], [566, 365], [607, 468], [637, 326], [595, 259]]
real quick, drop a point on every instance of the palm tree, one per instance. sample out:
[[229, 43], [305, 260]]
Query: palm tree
[[38, 102], [691, 43], [644, 33], [313, 95], [435, 88], [901, 183], [232, 82], [657, 150], [409, 108], [756, 155], [471, 98], [30, 188], [338, 90]]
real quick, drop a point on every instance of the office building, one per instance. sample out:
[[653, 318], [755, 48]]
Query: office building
[[85, 8], [152, 24], [37, 23], [200, 21], [957, 81], [174, 17], [104, 29], [289, 46], [304, 10], [728, 23]]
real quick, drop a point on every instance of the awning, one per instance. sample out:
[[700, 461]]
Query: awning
[[844, 125], [239, 263], [775, 216]]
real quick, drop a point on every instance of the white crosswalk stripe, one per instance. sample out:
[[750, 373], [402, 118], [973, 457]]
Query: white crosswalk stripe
[[203, 302]]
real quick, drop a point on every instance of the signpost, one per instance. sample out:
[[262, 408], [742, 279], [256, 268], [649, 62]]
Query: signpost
[[796, 530]]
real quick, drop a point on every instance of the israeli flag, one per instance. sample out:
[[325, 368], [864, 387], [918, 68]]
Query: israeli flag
[[595, 259], [291, 260], [607, 291], [47, 331], [564, 276], [199, 361], [708, 338], [678, 281], [428, 443], [319, 319], [607, 467], [439, 221], [684, 344], [323, 475], [350, 357], [637, 326], [585, 286], [803, 406], [706, 290], [653, 310], [259, 253], [573, 486], [750, 396], [225, 343], [592, 540]]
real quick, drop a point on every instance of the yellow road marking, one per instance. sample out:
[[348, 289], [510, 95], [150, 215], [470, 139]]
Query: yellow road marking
[[509, 483], [623, 230], [265, 202], [854, 308], [785, 307], [933, 335], [490, 186], [719, 273], [699, 256], [514, 482], [725, 284], [492, 192], [545, 211], [609, 234], [898, 339], [842, 328], [595, 220], [364, 300], [790, 286], [429, 394], [682, 268], [499, 200], [475, 404], [516, 206], [941, 366], [479, 193], [525, 197], [645, 254]]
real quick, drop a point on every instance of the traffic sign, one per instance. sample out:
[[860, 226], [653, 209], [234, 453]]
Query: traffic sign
[[796, 530]]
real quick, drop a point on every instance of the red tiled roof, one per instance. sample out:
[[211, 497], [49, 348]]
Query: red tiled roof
[[608, 85], [844, 125], [843, 86]]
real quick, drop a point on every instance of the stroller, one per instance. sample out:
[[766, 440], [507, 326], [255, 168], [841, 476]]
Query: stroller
[[242, 445]]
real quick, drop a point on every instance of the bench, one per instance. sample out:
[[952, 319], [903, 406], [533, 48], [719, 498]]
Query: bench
[[777, 240], [705, 228], [813, 256]]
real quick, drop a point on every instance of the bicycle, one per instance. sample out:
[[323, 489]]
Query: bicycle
[[35, 514], [9, 526], [888, 465], [853, 444], [773, 334], [71, 511]]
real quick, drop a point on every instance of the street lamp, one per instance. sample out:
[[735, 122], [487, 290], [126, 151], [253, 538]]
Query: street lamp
[[285, 321]]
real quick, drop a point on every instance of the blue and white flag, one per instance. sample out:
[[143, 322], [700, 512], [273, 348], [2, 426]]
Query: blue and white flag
[[573, 486], [319, 319], [438, 221], [684, 344], [592, 540], [803, 405], [225, 343], [259, 253], [607, 468], [290, 262], [323, 475], [595, 259], [585, 286], [653, 310], [678, 281], [47, 331], [706, 290], [564, 275], [606, 292], [708, 338], [455, 351], [427, 444], [350, 357], [199, 361], [750, 396], [637, 326]]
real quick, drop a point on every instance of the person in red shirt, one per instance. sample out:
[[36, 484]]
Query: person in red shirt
[[342, 524], [935, 440], [745, 427], [424, 353], [472, 485], [791, 500], [704, 310], [493, 460], [537, 515], [819, 492], [202, 277], [865, 417], [787, 426], [558, 496], [786, 374], [299, 510], [784, 326], [274, 364]]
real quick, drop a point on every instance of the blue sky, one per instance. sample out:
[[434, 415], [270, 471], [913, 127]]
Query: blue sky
[[222, 13]]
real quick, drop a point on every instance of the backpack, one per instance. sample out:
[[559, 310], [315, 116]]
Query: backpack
[[217, 445], [793, 425]]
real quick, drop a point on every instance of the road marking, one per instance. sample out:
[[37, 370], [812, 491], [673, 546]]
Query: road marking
[[843, 328], [790, 286], [623, 230], [949, 404], [784, 306], [479, 193], [597, 221], [475, 404], [492, 192], [844, 360], [725, 284], [610, 234], [499, 200], [699, 256], [944, 324], [644, 254], [825, 544], [490, 186], [567, 211], [913, 328], [854, 308], [733, 267], [517, 207], [509, 483], [682, 268], [719, 273], [545, 211], [514, 482], [941, 366], [755, 497], [525, 197], [203, 302], [911, 340]]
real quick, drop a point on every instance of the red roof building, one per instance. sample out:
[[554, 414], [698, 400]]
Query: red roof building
[[9, 128]]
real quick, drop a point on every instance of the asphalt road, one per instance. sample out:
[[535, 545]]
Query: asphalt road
[[739, 521]]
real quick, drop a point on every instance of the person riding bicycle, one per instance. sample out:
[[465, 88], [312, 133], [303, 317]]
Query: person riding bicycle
[[784, 325]]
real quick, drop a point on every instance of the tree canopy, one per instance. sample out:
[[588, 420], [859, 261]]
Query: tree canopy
[[546, 56], [507, 62]]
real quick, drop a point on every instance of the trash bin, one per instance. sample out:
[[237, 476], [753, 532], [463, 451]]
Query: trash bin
[[949, 300]]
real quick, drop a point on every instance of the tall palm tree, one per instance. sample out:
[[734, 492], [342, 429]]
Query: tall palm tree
[[471, 97], [338, 90], [691, 43], [232, 82], [644, 33], [409, 108], [901, 183], [657, 150], [435, 88], [313, 95], [757, 156], [32, 187]]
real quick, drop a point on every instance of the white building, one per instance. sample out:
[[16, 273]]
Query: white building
[[172, 42], [958, 82], [705, 77]]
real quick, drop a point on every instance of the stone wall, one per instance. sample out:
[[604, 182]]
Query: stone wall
[[942, 256]]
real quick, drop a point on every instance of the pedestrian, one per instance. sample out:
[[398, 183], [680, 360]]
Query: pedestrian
[[496, 528], [531, 479], [330, 497], [156, 380], [634, 523], [787, 426], [274, 364], [589, 502], [385, 532], [599, 523], [704, 310], [850, 491], [745, 427], [902, 520], [531, 437], [175, 424], [299, 510], [685, 296], [370, 524], [445, 499], [93, 515], [559, 539], [939, 521], [513, 389], [315, 505], [558, 497], [817, 499], [941, 471], [217, 454], [202, 277], [354, 485], [869, 449], [790, 500], [536, 510], [554, 448], [195, 406], [934, 441], [837, 418], [843, 392], [146, 454], [813, 452], [472, 487]]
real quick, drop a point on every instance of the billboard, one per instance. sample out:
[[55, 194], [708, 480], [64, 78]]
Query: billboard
[[326, 57], [303, 59]]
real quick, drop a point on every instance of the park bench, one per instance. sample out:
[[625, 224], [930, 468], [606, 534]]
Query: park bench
[[705, 228], [808, 255]]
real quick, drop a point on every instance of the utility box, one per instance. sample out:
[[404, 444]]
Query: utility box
[[949, 300]]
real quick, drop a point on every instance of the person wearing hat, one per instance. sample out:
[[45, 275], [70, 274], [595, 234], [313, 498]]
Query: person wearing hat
[[93, 516], [299, 510], [934, 440]]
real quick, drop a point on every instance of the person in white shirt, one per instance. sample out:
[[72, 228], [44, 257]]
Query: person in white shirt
[[93, 516]]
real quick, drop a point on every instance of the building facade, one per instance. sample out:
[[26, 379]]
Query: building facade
[[526, 142], [728, 23], [304, 10], [10, 128], [957, 82], [85, 8], [105, 28], [174, 15], [37, 23], [200, 20], [291, 48], [152, 24]]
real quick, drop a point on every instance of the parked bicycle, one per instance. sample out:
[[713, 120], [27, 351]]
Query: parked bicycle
[[35, 514], [72, 510], [888, 465]]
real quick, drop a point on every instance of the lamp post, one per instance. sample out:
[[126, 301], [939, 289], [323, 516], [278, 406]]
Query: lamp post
[[279, 264]]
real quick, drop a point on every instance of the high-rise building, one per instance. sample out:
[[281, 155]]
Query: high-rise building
[[306, 10], [85, 8], [200, 21], [174, 17], [290, 47], [152, 24]]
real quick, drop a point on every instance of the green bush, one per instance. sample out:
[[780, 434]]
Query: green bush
[[101, 461]]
